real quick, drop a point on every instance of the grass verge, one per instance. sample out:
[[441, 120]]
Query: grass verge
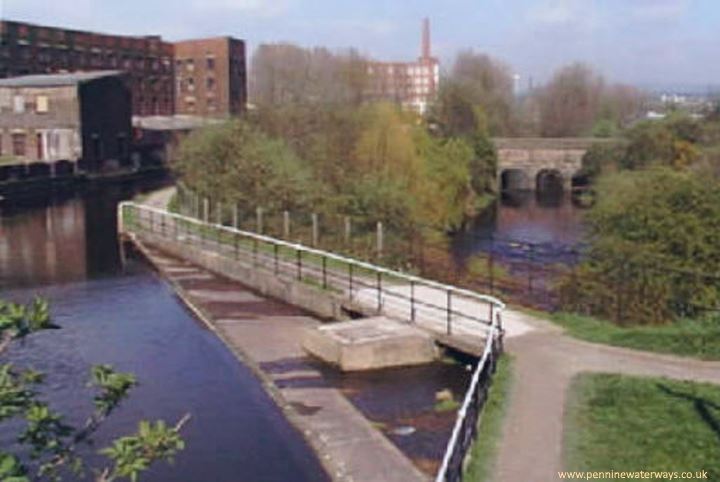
[[626, 423], [691, 338], [484, 452]]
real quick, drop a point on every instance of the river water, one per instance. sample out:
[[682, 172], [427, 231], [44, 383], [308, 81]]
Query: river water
[[66, 251], [549, 222]]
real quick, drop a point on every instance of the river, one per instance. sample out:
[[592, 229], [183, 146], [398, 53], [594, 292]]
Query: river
[[66, 250], [549, 222]]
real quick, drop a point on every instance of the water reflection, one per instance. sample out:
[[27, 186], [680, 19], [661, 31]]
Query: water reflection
[[549, 218], [65, 250]]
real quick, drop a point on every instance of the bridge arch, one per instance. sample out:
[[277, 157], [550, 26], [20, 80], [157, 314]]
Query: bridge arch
[[514, 180], [549, 180]]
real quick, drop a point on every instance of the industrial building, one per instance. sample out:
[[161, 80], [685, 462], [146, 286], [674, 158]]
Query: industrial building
[[56, 117], [412, 84]]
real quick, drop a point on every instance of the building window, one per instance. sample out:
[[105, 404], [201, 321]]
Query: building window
[[191, 84], [190, 65], [39, 146], [19, 104], [210, 82], [18, 144], [41, 104], [210, 63]]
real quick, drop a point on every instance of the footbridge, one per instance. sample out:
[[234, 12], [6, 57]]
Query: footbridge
[[535, 163], [335, 287]]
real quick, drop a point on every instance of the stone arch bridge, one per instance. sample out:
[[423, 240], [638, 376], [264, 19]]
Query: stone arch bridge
[[532, 163]]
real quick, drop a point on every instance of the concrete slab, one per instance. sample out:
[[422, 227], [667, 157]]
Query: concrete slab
[[369, 344], [224, 296]]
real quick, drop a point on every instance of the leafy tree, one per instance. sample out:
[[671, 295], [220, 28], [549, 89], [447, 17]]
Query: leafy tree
[[51, 446], [235, 162], [654, 253], [476, 81]]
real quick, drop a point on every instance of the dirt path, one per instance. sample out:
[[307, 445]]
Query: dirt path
[[546, 361]]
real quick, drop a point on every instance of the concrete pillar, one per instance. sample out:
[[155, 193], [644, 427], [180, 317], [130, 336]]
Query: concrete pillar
[[259, 220], [286, 225], [315, 231], [379, 239]]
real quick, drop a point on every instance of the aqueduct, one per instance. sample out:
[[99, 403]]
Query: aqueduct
[[535, 163]]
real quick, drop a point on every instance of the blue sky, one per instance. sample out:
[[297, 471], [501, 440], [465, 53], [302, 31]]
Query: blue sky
[[639, 41]]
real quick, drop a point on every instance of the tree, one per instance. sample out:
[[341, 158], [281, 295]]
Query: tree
[[51, 446], [235, 163], [476, 82], [653, 247], [570, 102], [284, 74]]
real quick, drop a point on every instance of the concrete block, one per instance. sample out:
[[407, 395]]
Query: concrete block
[[369, 344]]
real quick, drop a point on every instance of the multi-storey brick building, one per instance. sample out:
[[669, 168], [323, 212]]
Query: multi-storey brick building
[[210, 77], [33, 49], [411, 84]]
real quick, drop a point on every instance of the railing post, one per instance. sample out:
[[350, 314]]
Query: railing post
[[314, 230], [275, 253], [255, 252], [379, 291], [350, 279], [286, 225], [206, 210], [236, 238], [412, 301], [449, 312], [324, 272], [235, 216], [299, 264]]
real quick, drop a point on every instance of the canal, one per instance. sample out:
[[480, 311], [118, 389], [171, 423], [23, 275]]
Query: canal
[[65, 250]]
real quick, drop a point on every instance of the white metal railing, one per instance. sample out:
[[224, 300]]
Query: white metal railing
[[396, 294]]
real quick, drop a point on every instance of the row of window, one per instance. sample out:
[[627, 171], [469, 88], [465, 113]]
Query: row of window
[[40, 104]]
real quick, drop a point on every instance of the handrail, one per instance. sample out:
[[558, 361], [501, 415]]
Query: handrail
[[494, 333], [300, 247]]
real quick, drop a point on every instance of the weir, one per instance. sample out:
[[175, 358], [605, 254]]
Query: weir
[[334, 287]]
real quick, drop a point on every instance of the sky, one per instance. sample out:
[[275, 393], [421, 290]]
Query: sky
[[643, 42]]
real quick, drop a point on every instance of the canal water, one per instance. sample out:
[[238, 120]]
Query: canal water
[[66, 250]]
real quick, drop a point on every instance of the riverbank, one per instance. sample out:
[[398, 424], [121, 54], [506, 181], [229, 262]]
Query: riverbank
[[34, 187], [265, 335]]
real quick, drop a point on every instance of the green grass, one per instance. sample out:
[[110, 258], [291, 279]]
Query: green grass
[[623, 423], [691, 338], [446, 406], [484, 452]]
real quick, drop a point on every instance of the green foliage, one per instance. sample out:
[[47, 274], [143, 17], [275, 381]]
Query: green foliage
[[50, 445], [484, 452], [654, 248], [692, 338], [236, 162], [134, 454], [627, 423]]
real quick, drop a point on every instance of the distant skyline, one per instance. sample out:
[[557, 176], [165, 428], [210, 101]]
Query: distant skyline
[[643, 42]]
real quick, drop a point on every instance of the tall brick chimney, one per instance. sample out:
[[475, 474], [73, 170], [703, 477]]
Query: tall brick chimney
[[426, 39]]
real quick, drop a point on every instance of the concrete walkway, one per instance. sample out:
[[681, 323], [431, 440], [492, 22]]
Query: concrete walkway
[[546, 362], [266, 336]]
